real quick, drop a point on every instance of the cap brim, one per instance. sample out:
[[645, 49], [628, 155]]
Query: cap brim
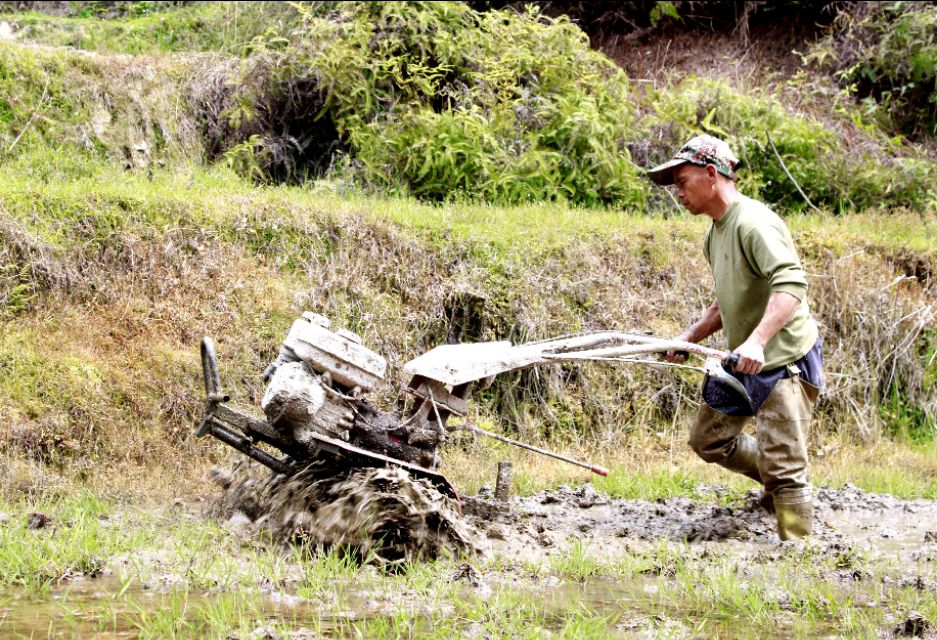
[[663, 174]]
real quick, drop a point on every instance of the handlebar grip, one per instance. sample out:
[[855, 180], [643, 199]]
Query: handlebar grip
[[599, 470], [732, 359]]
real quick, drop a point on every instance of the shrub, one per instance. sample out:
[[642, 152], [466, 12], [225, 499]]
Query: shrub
[[886, 53], [837, 164], [434, 98]]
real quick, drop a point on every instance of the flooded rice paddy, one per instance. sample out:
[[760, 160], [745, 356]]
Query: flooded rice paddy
[[568, 563]]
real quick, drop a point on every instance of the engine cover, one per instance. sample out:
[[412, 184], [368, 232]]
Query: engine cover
[[340, 354]]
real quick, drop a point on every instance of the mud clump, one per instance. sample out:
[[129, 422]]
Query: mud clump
[[914, 626], [383, 515], [571, 512]]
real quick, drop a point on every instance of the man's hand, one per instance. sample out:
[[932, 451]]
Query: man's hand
[[678, 356], [751, 357], [780, 309]]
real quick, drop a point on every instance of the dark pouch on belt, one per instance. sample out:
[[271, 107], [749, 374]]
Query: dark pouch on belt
[[727, 400]]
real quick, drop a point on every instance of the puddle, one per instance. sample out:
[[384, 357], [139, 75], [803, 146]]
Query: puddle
[[103, 608], [100, 608], [645, 607]]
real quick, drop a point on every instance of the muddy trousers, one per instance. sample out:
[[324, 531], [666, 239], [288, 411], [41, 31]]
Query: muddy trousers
[[776, 456]]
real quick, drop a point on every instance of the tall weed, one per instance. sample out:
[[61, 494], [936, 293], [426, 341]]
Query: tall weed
[[886, 54]]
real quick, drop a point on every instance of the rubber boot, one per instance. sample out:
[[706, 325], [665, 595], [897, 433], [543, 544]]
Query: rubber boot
[[794, 511]]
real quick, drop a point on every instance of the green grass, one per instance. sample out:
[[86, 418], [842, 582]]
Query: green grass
[[911, 477], [147, 30], [625, 483], [79, 539], [217, 198]]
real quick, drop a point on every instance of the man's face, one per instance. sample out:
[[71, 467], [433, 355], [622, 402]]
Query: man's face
[[694, 187]]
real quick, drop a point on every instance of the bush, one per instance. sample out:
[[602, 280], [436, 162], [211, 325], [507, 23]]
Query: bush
[[434, 98], [838, 165], [886, 53]]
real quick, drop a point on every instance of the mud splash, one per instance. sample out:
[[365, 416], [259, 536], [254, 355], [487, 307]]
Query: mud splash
[[383, 515]]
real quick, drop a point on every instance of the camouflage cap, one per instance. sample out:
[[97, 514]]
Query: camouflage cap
[[701, 151]]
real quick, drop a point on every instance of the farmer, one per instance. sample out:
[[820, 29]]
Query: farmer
[[761, 305]]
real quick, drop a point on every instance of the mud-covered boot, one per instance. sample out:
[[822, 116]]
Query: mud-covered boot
[[766, 501], [794, 510]]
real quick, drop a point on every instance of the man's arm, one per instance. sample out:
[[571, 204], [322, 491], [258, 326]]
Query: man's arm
[[708, 324], [780, 309]]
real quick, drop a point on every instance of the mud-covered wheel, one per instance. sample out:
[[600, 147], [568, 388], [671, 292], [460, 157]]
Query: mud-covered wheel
[[380, 514]]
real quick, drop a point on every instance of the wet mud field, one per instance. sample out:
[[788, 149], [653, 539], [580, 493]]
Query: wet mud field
[[564, 563], [536, 526], [385, 511]]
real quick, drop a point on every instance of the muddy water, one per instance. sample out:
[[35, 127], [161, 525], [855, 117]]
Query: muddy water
[[103, 608]]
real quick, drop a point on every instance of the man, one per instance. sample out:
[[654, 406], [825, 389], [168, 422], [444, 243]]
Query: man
[[761, 305]]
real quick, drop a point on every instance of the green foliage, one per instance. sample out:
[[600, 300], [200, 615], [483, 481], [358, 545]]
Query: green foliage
[[836, 164], [435, 99], [151, 27], [662, 9], [886, 53]]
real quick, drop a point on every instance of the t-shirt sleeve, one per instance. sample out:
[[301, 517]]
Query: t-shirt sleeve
[[769, 252]]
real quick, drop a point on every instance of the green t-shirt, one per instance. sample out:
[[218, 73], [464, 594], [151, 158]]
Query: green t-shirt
[[752, 255]]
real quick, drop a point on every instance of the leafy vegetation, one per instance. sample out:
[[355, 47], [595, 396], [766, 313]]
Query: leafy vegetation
[[886, 54], [435, 99], [839, 166]]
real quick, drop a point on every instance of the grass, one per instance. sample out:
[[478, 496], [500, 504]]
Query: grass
[[216, 199], [644, 470], [78, 539], [148, 30]]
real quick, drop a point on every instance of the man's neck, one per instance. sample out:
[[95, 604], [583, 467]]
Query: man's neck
[[721, 201]]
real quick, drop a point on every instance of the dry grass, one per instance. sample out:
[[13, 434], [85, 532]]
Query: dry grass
[[121, 384], [660, 465]]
